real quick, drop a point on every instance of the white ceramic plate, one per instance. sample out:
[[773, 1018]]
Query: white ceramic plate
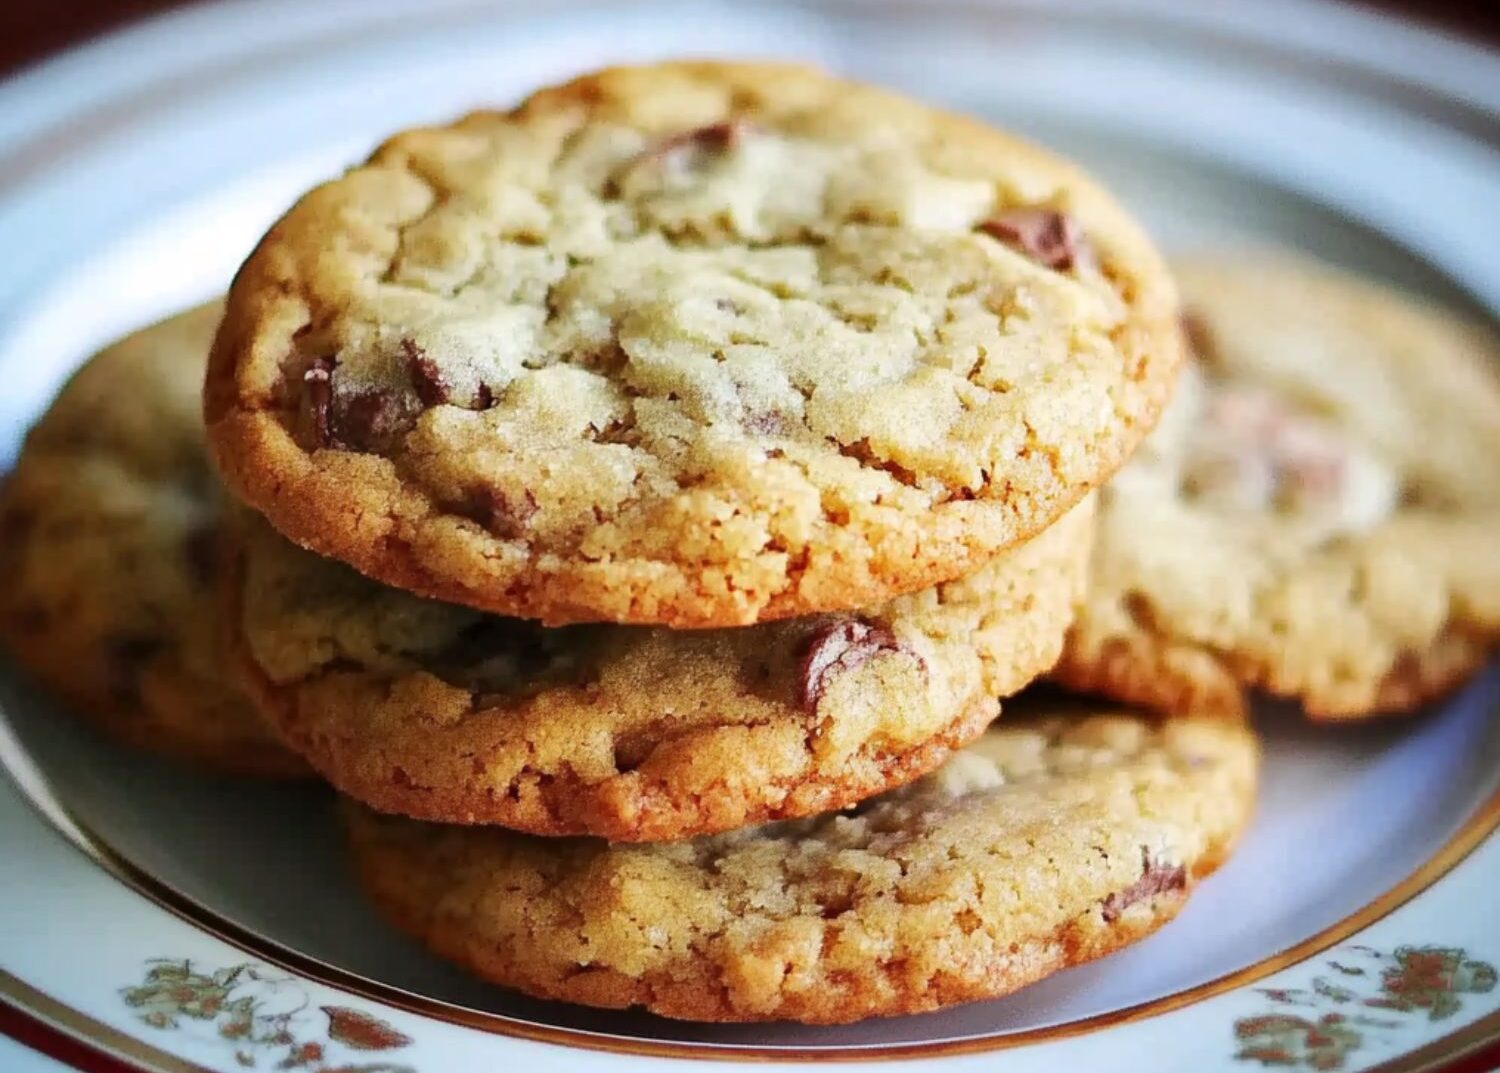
[[170, 922]]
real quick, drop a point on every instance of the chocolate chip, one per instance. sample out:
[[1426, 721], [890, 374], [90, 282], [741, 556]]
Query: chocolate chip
[[836, 649], [1051, 239], [714, 138], [865, 453], [360, 420], [317, 398], [427, 379], [1157, 877], [606, 359], [717, 136], [484, 398], [200, 549], [370, 419], [634, 748], [681, 149], [505, 516]]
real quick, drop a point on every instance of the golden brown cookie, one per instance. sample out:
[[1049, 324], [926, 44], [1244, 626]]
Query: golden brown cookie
[[1316, 515], [107, 550], [1054, 839], [628, 732], [690, 345]]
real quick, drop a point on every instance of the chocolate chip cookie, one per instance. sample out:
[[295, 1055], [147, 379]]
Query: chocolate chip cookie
[[1054, 839], [107, 550], [1316, 515], [631, 732], [694, 345]]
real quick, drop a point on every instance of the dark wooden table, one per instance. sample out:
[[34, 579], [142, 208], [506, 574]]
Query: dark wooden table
[[33, 29]]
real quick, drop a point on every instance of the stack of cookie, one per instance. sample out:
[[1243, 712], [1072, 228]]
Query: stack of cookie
[[648, 497], [692, 449]]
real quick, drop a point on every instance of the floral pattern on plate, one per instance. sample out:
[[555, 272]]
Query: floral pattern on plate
[[267, 1019], [1407, 984]]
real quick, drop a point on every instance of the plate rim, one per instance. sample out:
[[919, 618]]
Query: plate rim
[[1473, 832]]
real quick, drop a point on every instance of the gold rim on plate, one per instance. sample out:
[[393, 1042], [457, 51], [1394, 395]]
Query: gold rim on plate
[[1474, 830]]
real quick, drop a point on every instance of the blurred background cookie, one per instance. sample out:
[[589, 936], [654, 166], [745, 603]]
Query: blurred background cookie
[[108, 550], [1316, 515]]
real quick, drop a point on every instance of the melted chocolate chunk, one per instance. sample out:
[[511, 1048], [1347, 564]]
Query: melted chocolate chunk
[[352, 421], [505, 516], [836, 649], [370, 419], [1157, 877], [683, 149], [427, 379], [634, 748], [484, 398], [1051, 239], [317, 400], [714, 138]]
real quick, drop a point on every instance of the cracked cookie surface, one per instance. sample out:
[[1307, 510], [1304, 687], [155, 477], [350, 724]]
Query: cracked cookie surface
[[1314, 517], [1057, 837], [692, 345], [630, 732], [108, 528]]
